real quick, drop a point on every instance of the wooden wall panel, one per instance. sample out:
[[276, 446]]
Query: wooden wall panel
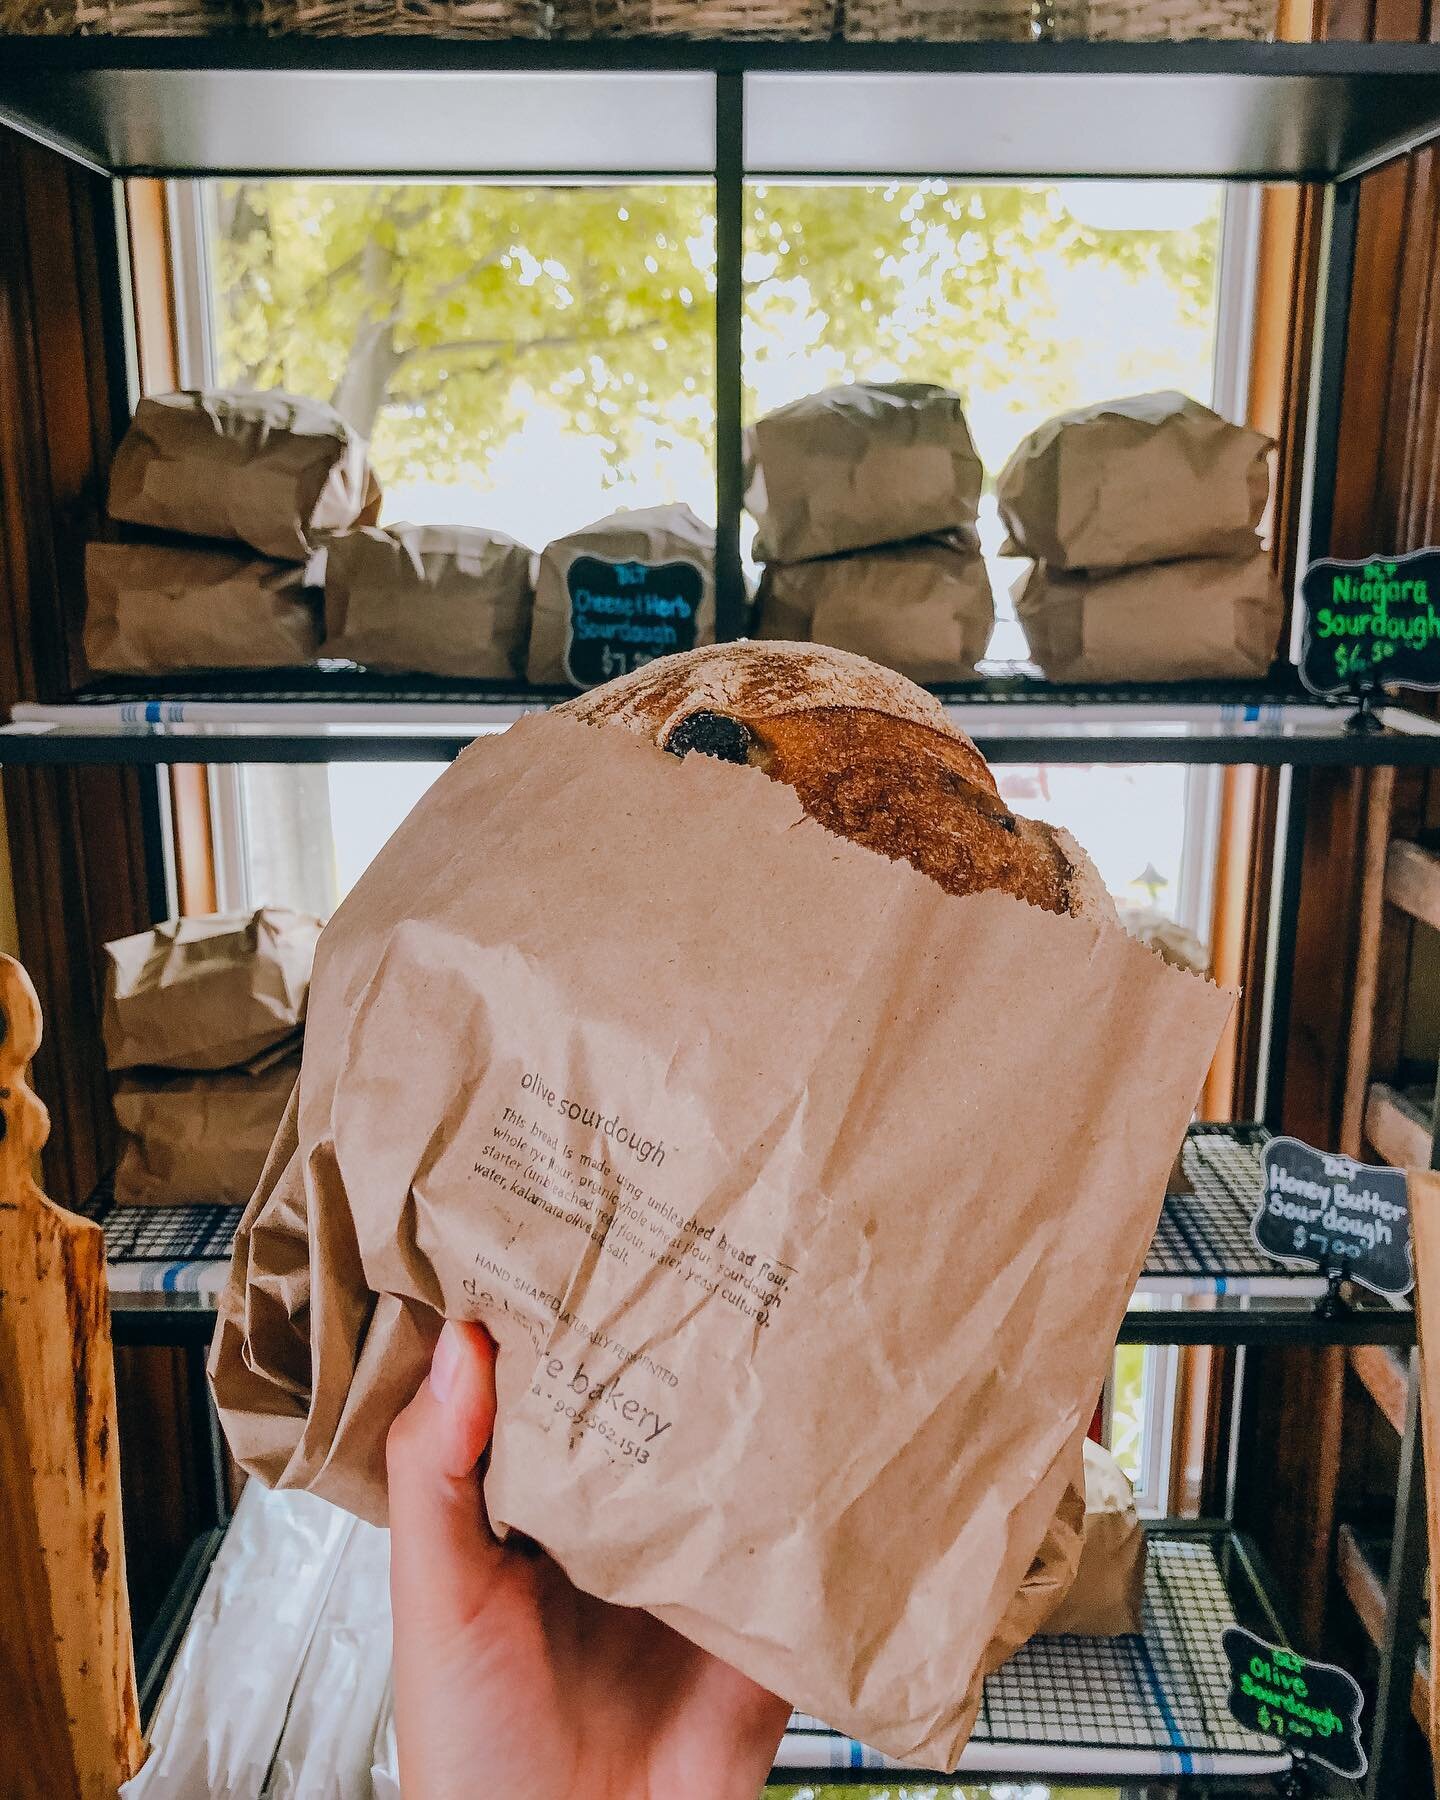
[[83, 842]]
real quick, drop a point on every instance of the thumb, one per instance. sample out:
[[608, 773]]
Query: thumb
[[441, 1545]]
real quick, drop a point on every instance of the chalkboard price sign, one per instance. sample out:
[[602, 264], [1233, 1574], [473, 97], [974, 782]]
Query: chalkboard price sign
[[1335, 1213], [627, 613], [1372, 622], [1312, 1707]]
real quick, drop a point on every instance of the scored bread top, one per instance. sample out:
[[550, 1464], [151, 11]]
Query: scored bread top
[[871, 756]]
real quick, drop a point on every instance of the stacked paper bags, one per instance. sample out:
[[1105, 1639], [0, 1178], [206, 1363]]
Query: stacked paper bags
[[865, 497], [203, 1021], [261, 478], [1142, 516]]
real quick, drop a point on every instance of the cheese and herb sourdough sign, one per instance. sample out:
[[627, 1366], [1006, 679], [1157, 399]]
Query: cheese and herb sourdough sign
[[1335, 1213], [623, 614], [1372, 622], [1312, 1707]]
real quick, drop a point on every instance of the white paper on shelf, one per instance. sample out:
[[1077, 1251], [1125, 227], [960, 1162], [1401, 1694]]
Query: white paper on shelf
[[223, 1708], [340, 1697], [385, 1758]]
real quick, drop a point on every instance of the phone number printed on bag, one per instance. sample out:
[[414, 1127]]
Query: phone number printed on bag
[[623, 614], [1371, 622], [1335, 1213], [1312, 1707]]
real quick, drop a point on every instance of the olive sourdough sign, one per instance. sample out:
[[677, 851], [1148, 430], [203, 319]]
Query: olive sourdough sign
[[1336, 1214], [623, 614], [1371, 622], [1312, 1707]]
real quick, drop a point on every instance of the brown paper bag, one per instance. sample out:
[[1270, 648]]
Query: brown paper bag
[[864, 464], [619, 593], [195, 1139], [440, 599], [804, 1234], [269, 469], [1180, 621], [924, 608], [153, 607], [1141, 480], [208, 992], [1107, 1595], [1424, 1187]]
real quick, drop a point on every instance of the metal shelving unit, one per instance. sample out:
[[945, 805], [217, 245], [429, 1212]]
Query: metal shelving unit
[[724, 113], [1143, 1707]]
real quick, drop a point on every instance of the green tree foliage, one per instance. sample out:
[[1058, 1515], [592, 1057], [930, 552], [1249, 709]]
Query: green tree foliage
[[435, 316]]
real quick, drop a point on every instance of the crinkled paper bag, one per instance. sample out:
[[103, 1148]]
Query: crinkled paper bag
[[1180, 621], [923, 607], [271, 469], [192, 1140], [802, 1198], [440, 599], [1106, 1598], [862, 464], [210, 991], [1140, 480], [150, 608]]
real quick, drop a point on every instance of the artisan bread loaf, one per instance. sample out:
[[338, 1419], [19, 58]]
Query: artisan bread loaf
[[871, 756]]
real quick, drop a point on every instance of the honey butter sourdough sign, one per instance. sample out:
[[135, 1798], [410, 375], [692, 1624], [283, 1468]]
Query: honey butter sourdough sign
[[1335, 1214], [624, 613]]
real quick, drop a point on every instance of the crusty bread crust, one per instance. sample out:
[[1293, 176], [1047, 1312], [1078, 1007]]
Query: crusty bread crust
[[872, 757]]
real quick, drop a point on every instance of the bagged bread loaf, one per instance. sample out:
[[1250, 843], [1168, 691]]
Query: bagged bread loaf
[[923, 608], [1106, 1597], [195, 1139], [1175, 621], [1134, 481], [271, 470], [864, 464], [208, 992], [630, 1046], [439, 599], [154, 607], [617, 594]]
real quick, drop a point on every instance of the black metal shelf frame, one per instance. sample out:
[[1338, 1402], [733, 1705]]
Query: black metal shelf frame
[[1316, 113]]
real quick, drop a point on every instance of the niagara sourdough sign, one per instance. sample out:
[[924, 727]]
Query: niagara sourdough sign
[[1371, 623]]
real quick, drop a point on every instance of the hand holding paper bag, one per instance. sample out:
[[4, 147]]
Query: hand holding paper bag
[[803, 1232]]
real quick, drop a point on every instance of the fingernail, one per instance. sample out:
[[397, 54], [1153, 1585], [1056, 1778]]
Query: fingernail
[[445, 1364]]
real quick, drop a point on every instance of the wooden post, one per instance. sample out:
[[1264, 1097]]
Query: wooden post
[[1425, 1236], [69, 1725]]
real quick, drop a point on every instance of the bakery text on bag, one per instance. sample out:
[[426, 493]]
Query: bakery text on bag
[[918, 1095]]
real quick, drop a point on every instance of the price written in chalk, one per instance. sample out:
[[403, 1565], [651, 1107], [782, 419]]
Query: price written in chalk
[[1371, 622], [1335, 1213], [1312, 1707], [624, 614]]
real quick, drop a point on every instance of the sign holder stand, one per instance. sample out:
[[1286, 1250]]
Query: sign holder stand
[[1365, 721], [1332, 1303]]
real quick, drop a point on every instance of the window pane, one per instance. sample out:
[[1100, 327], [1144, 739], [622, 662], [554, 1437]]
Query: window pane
[[526, 358]]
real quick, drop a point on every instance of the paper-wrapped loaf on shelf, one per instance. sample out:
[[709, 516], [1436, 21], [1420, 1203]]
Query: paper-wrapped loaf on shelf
[[699, 1039], [1107, 1595], [1213, 617], [268, 469], [435, 599], [189, 1140], [210, 991], [151, 608], [864, 464], [616, 594], [923, 608], [1140, 480]]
